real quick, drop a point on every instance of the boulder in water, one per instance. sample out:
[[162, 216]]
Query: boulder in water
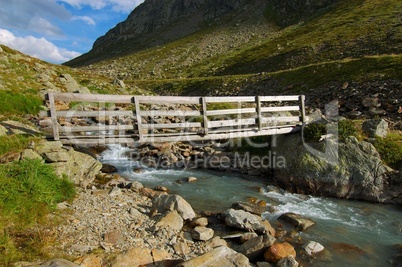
[[296, 220]]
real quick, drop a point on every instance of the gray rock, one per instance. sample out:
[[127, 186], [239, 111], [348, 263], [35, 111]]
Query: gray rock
[[255, 248], [373, 128], [16, 127], [312, 248], [243, 220], [59, 156], [3, 130], [164, 203], [287, 262], [264, 264], [30, 154], [81, 168], [247, 236], [221, 256], [115, 191], [199, 222], [301, 223], [202, 233], [172, 220], [48, 147], [136, 186], [349, 169], [215, 242], [58, 263], [252, 208]]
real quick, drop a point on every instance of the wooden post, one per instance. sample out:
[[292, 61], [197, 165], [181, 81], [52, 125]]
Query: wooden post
[[302, 108], [259, 113], [138, 114], [53, 115], [204, 113]]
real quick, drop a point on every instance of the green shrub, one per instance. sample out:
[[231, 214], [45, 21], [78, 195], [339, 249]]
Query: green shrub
[[346, 128], [312, 132], [17, 103], [390, 149]]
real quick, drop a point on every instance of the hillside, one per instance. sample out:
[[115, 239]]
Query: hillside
[[259, 47], [24, 80]]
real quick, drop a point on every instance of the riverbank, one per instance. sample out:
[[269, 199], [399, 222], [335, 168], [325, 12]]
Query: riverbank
[[123, 223]]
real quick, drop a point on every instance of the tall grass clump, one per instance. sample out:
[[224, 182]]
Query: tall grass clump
[[18, 103], [29, 190]]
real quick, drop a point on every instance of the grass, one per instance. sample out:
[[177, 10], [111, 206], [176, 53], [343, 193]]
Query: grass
[[29, 190], [390, 149], [14, 103], [14, 143]]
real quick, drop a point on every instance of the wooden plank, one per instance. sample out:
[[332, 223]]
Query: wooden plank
[[259, 116], [278, 109], [99, 113], [211, 136], [97, 128], [232, 123], [102, 136], [139, 119], [224, 112], [76, 97], [229, 99], [302, 108], [279, 98], [280, 119], [168, 100], [94, 142], [172, 125], [174, 113], [53, 116], [205, 115]]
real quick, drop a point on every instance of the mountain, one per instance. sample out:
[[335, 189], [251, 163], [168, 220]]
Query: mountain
[[326, 49], [154, 22]]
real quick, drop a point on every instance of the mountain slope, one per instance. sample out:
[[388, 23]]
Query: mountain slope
[[269, 47]]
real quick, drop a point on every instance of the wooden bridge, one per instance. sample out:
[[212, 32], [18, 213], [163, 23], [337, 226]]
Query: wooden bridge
[[89, 119]]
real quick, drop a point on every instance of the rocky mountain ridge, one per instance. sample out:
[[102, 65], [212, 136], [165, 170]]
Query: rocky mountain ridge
[[154, 23]]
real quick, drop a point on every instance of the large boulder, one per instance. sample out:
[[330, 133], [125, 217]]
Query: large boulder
[[163, 203], [279, 251], [243, 220], [374, 128], [350, 169], [221, 256], [255, 248], [80, 168], [301, 223]]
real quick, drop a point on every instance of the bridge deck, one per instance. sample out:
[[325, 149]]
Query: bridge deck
[[107, 119]]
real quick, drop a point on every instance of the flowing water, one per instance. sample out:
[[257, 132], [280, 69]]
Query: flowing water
[[354, 233]]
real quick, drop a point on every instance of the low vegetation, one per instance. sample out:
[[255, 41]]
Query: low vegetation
[[14, 103], [29, 190], [390, 149]]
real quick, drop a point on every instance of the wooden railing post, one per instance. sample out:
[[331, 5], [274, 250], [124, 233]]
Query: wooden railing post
[[204, 113], [302, 98], [259, 113], [138, 114], [53, 115]]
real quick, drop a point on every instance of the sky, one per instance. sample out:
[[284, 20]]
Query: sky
[[59, 30]]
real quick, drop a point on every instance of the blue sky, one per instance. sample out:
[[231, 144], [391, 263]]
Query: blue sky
[[59, 30]]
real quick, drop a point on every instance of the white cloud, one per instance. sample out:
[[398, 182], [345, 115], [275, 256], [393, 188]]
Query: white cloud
[[33, 15], [86, 19], [43, 26], [124, 6], [37, 47]]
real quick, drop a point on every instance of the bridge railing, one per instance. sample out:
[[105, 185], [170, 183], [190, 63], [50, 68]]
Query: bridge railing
[[105, 119]]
